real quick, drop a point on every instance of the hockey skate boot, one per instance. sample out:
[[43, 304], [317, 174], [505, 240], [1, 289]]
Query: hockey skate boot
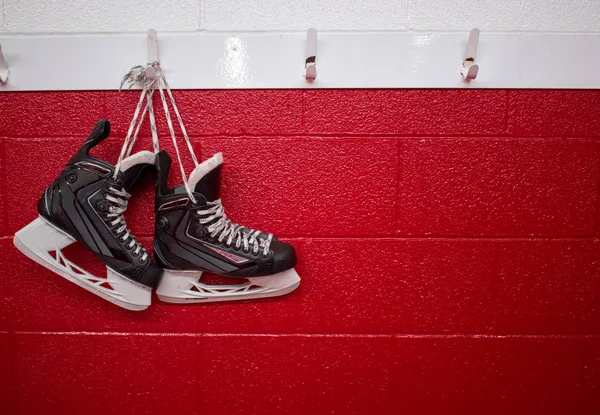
[[193, 235], [86, 204]]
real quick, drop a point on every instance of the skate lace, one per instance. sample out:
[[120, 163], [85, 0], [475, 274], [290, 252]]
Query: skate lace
[[119, 200], [138, 75], [225, 228]]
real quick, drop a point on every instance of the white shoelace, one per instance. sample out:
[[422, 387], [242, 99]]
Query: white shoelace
[[222, 225], [120, 199], [225, 228], [116, 211], [138, 75]]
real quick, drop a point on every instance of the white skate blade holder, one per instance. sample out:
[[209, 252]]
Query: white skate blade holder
[[185, 287], [40, 239]]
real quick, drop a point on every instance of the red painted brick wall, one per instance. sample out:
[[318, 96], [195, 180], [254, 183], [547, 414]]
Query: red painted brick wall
[[448, 241]]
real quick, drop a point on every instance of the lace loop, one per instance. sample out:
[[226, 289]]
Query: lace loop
[[138, 75], [119, 200], [220, 225]]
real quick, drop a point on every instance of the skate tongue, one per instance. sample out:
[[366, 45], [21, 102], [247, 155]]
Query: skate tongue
[[206, 178]]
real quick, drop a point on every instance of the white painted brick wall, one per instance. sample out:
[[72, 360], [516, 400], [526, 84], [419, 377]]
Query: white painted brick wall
[[1, 15], [77, 16], [60, 16], [506, 15], [232, 15]]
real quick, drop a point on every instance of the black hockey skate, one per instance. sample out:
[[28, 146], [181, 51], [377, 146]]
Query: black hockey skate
[[194, 235], [86, 204]]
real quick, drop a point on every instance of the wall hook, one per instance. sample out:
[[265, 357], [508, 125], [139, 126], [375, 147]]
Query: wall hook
[[4, 72], [152, 42], [469, 68], [310, 65]]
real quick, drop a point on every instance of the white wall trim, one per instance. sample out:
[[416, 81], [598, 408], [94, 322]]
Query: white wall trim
[[276, 60]]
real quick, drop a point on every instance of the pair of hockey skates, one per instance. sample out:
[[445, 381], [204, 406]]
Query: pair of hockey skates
[[192, 234]]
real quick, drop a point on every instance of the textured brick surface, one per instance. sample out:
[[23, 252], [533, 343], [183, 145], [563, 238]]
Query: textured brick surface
[[177, 374], [86, 16], [425, 239], [554, 113], [212, 112], [300, 187], [300, 375], [11, 263], [349, 286], [101, 374], [513, 15], [246, 15], [396, 286], [497, 375], [7, 400], [548, 287], [405, 112], [498, 187], [2, 190], [57, 114], [591, 377], [574, 16]]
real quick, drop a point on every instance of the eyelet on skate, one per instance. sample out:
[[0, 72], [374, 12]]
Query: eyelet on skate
[[162, 223], [102, 206], [143, 260], [71, 177]]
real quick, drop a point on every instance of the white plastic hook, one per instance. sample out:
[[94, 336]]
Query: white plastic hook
[[469, 68], [310, 65], [152, 42], [4, 72]]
